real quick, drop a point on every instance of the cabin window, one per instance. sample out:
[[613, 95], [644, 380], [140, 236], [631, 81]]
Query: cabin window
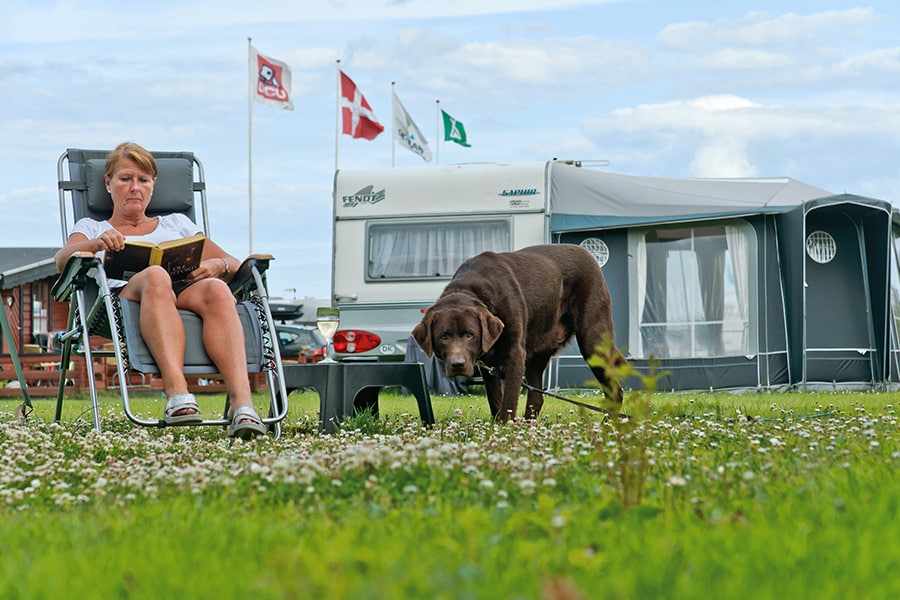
[[39, 302], [695, 291], [430, 249]]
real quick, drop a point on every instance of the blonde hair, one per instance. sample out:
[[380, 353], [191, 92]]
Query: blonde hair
[[134, 152]]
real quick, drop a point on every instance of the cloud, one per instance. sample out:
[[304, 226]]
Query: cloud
[[759, 29], [71, 20], [545, 62], [722, 128], [723, 157]]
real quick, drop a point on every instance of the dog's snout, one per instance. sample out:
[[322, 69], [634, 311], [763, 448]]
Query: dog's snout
[[457, 365]]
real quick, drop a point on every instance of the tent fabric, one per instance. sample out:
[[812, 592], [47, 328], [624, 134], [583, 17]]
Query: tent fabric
[[584, 199]]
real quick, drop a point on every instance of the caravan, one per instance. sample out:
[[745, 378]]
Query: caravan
[[399, 234], [755, 283]]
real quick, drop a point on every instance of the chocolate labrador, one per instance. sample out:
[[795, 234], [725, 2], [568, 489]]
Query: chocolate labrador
[[511, 312]]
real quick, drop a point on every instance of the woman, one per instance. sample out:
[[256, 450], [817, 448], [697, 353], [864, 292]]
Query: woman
[[130, 175]]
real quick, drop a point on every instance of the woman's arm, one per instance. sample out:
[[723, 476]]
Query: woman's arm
[[111, 239]]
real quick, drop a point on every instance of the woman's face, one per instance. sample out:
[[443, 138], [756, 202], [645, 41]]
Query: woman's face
[[130, 187]]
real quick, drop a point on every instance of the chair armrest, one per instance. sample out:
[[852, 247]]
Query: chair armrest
[[76, 270], [243, 280]]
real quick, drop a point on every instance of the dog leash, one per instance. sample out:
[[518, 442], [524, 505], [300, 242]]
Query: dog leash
[[499, 374]]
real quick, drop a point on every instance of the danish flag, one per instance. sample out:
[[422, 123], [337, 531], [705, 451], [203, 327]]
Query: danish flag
[[359, 120]]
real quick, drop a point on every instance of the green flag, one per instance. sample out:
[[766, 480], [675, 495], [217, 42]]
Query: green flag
[[454, 130]]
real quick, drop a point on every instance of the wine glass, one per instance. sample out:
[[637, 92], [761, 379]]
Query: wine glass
[[328, 319]]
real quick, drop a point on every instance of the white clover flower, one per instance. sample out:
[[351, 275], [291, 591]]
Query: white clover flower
[[410, 489], [486, 484], [749, 476], [558, 522], [677, 481]]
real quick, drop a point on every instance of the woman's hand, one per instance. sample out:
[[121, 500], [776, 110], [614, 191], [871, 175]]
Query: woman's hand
[[209, 268], [110, 240]]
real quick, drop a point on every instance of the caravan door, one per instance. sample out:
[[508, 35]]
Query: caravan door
[[839, 334]]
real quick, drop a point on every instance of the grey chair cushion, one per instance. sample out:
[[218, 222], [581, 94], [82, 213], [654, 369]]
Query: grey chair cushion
[[172, 193], [196, 360]]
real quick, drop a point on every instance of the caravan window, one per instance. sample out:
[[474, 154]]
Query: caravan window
[[695, 290], [430, 249]]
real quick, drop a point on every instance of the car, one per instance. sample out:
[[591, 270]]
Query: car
[[300, 342]]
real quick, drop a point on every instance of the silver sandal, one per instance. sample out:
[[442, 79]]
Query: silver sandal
[[180, 402], [245, 423]]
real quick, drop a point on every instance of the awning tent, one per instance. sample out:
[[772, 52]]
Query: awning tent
[[765, 283]]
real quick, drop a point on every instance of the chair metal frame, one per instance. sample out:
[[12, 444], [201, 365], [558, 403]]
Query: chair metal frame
[[94, 310]]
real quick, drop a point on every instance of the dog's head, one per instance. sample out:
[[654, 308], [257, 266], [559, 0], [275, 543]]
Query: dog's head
[[458, 335]]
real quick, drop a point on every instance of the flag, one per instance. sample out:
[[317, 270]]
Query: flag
[[359, 120], [270, 81], [407, 133], [454, 130]]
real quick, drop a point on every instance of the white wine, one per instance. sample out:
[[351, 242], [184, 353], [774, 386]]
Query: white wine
[[328, 328]]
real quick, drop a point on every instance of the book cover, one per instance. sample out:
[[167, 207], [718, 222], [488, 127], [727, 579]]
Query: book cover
[[178, 257]]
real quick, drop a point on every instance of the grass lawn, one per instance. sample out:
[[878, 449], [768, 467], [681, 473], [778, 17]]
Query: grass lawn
[[789, 495]]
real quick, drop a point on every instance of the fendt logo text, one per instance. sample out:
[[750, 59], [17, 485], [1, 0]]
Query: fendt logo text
[[364, 196]]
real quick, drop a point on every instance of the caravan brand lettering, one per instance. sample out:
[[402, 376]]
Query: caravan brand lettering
[[367, 195], [520, 192], [518, 197]]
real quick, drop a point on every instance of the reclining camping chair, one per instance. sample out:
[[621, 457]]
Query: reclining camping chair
[[93, 310]]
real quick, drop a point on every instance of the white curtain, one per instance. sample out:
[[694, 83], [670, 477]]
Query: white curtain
[[637, 308], [739, 248], [417, 250]]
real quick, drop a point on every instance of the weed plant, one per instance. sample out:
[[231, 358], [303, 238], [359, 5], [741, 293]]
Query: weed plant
[[741, 496]]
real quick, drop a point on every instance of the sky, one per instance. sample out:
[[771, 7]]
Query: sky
[[678, 88]]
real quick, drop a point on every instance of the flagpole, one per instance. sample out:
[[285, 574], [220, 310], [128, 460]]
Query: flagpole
[[393, 120], [250, 145], [437, 132], [337, 115]]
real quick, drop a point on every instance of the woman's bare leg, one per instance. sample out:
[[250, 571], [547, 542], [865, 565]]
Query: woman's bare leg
[[223, 335]]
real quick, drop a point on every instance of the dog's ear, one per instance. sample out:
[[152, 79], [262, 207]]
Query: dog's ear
[[491, 328], [422, 335]]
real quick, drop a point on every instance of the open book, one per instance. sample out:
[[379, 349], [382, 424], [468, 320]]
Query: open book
[[178, 257]]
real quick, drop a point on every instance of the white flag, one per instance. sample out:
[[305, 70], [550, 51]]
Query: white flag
[[407, 133], [270, 81]]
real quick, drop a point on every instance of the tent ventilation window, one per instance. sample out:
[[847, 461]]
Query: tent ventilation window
[[820, 247], [598, 249]]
